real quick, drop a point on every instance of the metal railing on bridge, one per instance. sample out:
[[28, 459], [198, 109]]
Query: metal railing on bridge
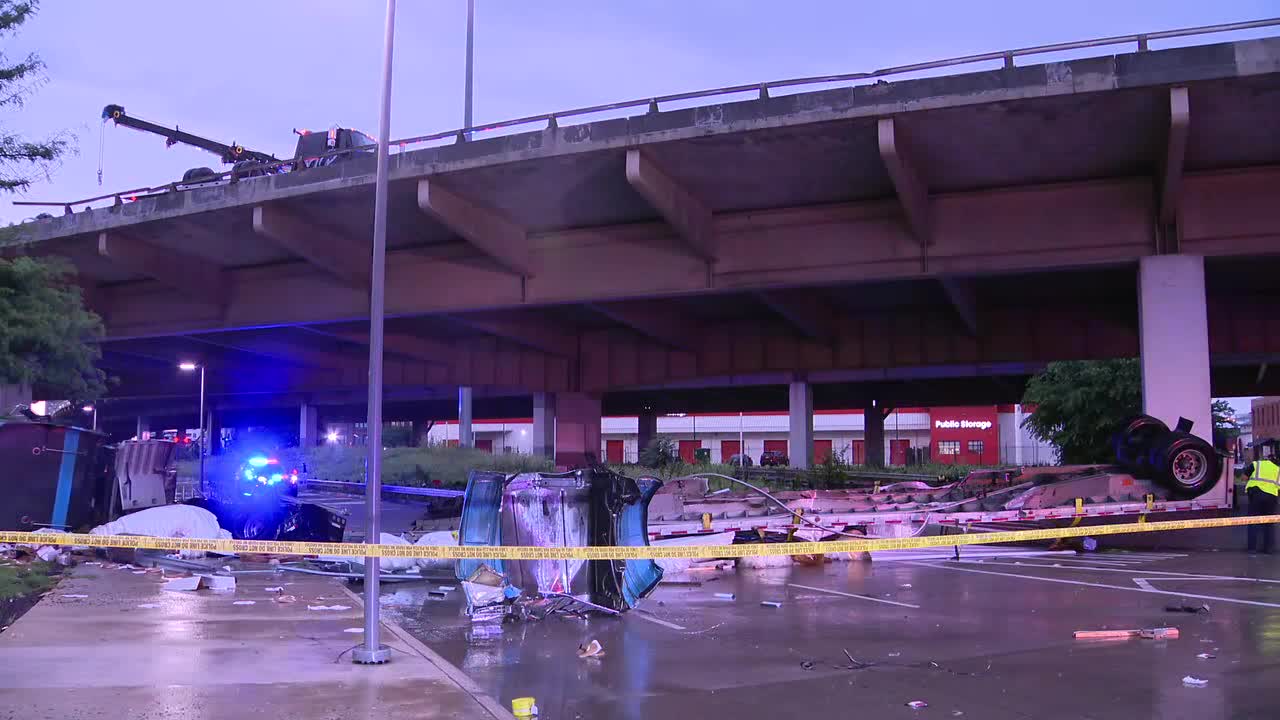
[[1141, 40]]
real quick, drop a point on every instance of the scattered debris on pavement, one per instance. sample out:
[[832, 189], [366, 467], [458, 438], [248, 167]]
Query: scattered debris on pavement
[[74, 597], [148, 606], [726, 596], [1186, 608], [273, 589], [353, 630], [592, 649], [218, 583], [917, 704], [245, 602], [1164, 633], [1190, 681], [286, 598], [770, 603], [182, 584], [329, 607], [524, 707], [1206, 656]]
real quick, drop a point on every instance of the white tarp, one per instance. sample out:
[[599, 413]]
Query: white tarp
[[435, 566], [174, 521]]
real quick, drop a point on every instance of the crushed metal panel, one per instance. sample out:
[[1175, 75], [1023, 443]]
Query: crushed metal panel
[[547, 511], [585, 508]]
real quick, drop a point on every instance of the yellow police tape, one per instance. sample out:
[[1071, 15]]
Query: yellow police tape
[[454, 552]]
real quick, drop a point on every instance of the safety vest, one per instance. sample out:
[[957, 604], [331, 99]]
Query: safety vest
[[1265, 477]]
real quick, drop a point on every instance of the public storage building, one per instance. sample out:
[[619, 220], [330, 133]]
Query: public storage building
[[979, 435]]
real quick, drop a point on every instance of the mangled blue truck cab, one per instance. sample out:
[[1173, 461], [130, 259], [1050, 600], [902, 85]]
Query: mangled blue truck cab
[[593, 507]]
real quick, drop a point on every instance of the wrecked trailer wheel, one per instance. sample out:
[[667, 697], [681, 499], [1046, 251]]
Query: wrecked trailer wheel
[[258, 526], [1135, 441], [1186, 464]]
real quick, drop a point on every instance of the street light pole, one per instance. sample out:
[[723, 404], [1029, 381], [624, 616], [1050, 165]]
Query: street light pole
[[202, 424], [187, 366], [466, 98], [373, 652]]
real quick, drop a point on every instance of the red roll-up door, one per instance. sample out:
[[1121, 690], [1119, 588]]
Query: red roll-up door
[[613, 451], [821, 450]]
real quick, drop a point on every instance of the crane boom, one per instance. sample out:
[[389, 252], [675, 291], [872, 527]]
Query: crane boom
[[228, 153]]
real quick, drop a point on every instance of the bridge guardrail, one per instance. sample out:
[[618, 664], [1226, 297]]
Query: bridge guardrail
[[463, 134]]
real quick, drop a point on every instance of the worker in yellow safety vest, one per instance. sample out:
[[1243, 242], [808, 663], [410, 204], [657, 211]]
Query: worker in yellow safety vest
[[1263, 492]]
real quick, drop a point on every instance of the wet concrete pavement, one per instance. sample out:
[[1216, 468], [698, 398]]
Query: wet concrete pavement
[[128, 649], [986, 637]]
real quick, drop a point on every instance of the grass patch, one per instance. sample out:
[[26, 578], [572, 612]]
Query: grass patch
[[20, 580]]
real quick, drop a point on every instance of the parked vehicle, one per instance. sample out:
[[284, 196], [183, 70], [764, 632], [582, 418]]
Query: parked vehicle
[[774, 458], [740, 459]]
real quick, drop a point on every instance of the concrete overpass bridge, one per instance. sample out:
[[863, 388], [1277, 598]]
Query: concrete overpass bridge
[[867, 242]]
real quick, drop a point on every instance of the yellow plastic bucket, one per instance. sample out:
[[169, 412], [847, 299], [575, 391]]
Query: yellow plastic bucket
[[524, 707]]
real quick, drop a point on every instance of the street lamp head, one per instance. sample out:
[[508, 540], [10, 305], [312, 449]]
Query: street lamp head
[[187, 366], [87, 408]]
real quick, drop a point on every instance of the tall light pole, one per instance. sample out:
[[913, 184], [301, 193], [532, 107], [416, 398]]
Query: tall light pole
[[466, 97], [192, 367], [92, 409], [373, 652]]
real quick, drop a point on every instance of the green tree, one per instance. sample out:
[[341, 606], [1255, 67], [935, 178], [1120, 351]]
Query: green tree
[[47, 337], [1079, 404], [1224, 420], [660, 453], [23, 160]]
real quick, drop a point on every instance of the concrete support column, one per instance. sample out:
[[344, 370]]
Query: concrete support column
[[466, 437], [800, 409], [418, 433], [214, 428], [544, 425], [308, 426], [873, 433], [143, 431], [1174, 329], [647, 430], [577, 429], [11, 395]]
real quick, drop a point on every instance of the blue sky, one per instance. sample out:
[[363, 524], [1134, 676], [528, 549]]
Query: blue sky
[[250, 72]]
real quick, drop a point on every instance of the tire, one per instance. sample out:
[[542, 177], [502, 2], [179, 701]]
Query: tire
[[1135, 441], [1186, 464], [198, 174], [258, 526]]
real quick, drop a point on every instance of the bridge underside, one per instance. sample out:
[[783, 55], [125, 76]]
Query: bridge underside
[[873, 239]]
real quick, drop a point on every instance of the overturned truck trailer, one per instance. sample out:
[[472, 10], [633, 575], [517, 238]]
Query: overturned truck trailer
[[588, 507], [1161, 473]]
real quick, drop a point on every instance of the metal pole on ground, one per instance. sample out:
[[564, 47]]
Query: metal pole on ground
[[373, 651]]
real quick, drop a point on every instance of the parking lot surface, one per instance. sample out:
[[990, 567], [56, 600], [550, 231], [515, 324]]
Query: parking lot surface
[[988, 636]]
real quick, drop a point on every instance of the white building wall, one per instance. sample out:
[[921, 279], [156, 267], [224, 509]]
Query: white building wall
[[1017, 445], [842, 429]]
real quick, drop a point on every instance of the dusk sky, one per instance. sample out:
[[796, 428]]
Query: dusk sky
[[250, 72]]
